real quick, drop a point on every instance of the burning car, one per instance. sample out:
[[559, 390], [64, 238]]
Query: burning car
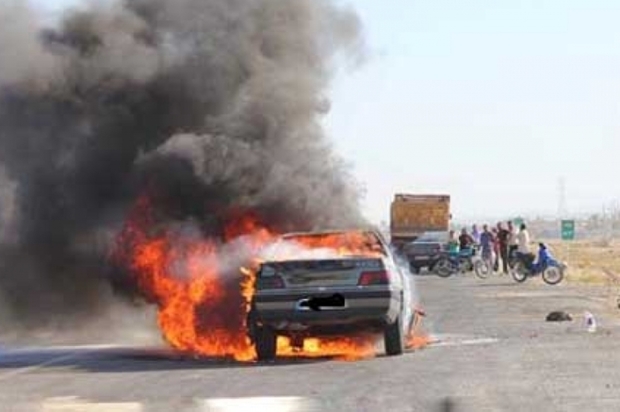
[[330, 284]]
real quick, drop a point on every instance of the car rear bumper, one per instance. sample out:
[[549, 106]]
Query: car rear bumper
[[362, 310]]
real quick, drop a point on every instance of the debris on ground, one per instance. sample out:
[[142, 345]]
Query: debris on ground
[[559, 316]]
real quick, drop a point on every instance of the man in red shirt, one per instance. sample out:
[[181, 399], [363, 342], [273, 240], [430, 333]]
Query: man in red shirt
[[495, 249]]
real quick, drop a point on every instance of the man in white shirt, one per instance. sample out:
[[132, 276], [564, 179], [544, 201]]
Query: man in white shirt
[[523, 240], [513, 243]]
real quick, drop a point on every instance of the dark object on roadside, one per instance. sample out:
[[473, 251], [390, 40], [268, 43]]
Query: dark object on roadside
[[559, 316], [447, 405]]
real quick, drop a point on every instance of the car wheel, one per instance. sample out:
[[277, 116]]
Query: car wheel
[[393, 338], [414, 269], [265, 343]]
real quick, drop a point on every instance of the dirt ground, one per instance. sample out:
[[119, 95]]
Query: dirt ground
[[591, 261]]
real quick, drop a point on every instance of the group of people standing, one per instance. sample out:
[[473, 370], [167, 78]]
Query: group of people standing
[[497, 244]]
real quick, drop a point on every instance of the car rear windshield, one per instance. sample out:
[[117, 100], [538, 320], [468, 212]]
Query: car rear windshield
[[344, 243]]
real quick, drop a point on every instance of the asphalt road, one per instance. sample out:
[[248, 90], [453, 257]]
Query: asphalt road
[[494, 352]]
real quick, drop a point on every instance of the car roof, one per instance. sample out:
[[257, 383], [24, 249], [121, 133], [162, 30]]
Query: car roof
[[331, 232], [366, 230]]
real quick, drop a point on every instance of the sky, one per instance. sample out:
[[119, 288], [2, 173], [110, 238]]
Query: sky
[[492, 102]]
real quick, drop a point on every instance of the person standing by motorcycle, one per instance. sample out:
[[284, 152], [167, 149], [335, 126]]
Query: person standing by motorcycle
[[523, 248], [453, 243], [513, 242], [475, 234], [502, 237], [466, 241], [487, 243], [494, 232], [466, 246]]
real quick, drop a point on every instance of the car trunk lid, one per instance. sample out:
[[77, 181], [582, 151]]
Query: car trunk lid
[[297, 274]]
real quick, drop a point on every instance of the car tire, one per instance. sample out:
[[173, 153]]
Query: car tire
[[393, 338], [265, 343]]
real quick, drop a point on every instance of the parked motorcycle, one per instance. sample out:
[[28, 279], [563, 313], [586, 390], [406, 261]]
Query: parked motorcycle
[[483, 267], [513, 258], [466, 260], [551, 270]]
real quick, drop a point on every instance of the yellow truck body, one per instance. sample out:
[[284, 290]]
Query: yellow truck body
[[411, 215]]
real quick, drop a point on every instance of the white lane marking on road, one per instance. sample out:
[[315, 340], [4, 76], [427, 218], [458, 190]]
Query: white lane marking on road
[[260, 404], [75, 404], [254, 404], [478, 341], [460, 340]]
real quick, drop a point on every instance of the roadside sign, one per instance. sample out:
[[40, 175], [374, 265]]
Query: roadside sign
[[568, 229]]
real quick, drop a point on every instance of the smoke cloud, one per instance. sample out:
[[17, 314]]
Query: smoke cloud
[[212, 106]]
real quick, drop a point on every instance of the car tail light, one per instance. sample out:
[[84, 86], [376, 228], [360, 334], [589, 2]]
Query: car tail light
[[379, 277], [270, 282]]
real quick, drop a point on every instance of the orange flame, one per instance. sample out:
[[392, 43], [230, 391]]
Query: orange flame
[[417, 338], [202, 308], [342, 348], [200, 311], [350, 243]]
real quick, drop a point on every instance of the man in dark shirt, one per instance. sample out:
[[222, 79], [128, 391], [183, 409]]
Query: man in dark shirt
[[466, 241], [494, 231], [487, 241], [503, 237]]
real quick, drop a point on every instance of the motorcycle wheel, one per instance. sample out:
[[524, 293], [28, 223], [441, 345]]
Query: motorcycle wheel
[[468, 266], [443, 268], [511, 264], [482, 269], [553, 275], [519, 272]]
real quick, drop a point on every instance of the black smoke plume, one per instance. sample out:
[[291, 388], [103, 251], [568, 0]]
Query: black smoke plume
[[211, 105]]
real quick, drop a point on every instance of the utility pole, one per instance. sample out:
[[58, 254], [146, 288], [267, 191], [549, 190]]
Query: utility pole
[[562, 209]]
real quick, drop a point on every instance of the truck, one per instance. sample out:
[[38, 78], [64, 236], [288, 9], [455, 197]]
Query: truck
[[412, 215]]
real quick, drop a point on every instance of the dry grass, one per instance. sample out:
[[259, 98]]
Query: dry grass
[[592, 261]]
